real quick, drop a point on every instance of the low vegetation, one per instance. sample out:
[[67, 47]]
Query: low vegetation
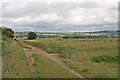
[[92, 55], [46, 68], [106, 58], [15, 64], [81, 55]]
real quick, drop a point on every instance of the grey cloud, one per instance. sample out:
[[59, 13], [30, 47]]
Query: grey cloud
[[19, 9], [59, 16]]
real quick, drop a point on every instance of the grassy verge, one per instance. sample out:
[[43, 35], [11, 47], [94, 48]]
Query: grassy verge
[[80, 52], [46, 68], [15, 64]]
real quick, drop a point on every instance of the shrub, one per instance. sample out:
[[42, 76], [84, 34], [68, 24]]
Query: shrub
[[105, 58]]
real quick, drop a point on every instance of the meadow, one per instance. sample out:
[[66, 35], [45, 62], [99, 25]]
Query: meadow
[[91, 58], [14, 61], [16, 65], [46, 68]]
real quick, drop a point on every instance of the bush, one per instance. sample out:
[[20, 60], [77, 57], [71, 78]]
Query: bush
[[105, 58]]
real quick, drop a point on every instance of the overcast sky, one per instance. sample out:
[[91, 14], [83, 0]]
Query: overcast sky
[[62, 16]]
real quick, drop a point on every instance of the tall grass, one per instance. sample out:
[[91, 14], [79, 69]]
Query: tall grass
[[79, 53], [15, 64], [14, 61]]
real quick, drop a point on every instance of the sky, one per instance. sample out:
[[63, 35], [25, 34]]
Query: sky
[[59, 15]]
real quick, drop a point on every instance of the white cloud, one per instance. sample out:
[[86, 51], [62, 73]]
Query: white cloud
[[50, 17], [72, 14]]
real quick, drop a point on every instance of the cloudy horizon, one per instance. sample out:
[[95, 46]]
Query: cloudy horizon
[[69, 16]]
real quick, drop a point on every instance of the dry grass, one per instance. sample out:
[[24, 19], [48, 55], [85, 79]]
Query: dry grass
[[46, 68], [79, 52], [14, 61]]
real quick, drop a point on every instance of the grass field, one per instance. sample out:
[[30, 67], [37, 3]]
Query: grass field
[[80, 52], [15, 64], [46, 68]]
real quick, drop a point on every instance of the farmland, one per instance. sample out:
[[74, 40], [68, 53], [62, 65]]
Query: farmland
[[78, 54]]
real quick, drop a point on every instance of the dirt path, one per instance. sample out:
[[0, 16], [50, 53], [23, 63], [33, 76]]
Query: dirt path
[[28, 53], [30, 59], [55, 57]]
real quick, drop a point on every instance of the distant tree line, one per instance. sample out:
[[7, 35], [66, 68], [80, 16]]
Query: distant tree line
[[101, 34]]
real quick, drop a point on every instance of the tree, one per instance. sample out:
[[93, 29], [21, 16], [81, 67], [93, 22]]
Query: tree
[[32, 35], [8, 32], [65, 37]]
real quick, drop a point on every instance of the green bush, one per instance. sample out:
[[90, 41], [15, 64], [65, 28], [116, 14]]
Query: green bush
[[105, 58]]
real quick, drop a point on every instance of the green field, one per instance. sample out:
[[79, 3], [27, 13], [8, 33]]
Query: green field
[[80, 55], [47, 68], [16, 65]]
